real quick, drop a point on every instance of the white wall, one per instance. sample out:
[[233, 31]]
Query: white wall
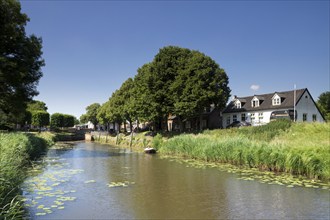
[[257, 120], [306, 105]]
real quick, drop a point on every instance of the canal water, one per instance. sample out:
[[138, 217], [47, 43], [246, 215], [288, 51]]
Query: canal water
[[93, 181]]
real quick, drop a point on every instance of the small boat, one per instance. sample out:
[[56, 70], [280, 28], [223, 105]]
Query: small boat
[[150, 150]]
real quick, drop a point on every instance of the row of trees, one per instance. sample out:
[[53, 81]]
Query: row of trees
[[178, 81], [37, 115]]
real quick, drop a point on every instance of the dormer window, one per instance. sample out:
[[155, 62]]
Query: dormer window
[[255, 102], [238, 104], [276, 100]]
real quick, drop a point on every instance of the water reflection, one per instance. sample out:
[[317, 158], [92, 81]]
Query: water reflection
[[167, 189]]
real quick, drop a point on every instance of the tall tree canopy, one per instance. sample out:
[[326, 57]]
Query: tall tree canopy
[[178, 81], [324, 104], [20, 62], [182, 82], [36, 105], [91, 114], [120, 106]]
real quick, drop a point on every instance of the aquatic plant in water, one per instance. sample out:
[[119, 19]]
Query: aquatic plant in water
[[254, 174], [43, 189], [120, 184]]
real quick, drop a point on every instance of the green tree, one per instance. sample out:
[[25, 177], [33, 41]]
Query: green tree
[[33, 106], [200, 84], [40, 119], [125, 99], [20, 62], [68, 121], [91, 114], [76, 121], [36, 105], [324, 104], [57, 120], [142, 100], [179, 81]]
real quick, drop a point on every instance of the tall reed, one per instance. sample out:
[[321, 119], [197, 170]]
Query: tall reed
[[16, 152], [272, 147]]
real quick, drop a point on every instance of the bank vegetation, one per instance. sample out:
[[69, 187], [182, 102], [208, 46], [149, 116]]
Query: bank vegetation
[[17, 151], [280, 146]]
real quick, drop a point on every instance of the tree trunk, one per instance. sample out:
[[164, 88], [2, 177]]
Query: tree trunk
[[180, 124], [125, 130]]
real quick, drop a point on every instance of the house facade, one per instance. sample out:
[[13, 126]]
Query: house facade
[[209, 119], [261, 109]]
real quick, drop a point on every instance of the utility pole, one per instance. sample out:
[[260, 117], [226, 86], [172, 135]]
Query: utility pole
[[294, 103]]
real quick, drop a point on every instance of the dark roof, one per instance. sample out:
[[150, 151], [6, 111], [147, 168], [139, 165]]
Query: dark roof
[[265, 101]]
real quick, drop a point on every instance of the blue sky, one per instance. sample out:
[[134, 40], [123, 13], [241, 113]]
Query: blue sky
[[92, 47]]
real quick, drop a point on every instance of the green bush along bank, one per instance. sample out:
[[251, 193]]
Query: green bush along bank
[[280, 146], [17, 150]]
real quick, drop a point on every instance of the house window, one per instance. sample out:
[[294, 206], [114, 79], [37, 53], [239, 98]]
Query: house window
[[243, 117], [238, 104], [228, 120], [305, 117], [252, 118], [234, 118], [261, 117], [314, 117], [276, 101], [255, 103]]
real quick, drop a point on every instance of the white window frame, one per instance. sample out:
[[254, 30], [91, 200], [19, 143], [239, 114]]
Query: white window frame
[[234, 118], [304, 117], [261, 117], [238, 104], [255, 102], [228, 120], [243, 115], [277, 101]]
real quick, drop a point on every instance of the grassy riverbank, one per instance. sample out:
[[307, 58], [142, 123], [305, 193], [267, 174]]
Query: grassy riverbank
[[17, 150], [281, 146], [137, 142]]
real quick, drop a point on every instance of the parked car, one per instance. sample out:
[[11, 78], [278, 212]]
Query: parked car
[[237, 124]]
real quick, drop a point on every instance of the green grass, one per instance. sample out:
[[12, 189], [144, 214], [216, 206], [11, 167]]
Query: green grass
[[280, 146], [139, 141], [16, 152]]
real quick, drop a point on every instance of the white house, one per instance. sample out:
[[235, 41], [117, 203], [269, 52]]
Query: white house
[[261, 109]]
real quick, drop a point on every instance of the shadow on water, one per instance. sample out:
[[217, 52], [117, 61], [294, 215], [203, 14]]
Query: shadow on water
[[81, 151]]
